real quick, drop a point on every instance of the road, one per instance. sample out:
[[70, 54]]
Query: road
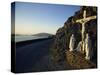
[[33, 57]]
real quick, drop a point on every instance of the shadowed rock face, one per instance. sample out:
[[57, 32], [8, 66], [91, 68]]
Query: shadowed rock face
[[70, 27]]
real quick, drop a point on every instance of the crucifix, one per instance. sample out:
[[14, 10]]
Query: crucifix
[[83, 22]]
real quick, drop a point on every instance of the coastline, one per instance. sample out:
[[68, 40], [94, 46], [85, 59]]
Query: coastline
[[23, 43]]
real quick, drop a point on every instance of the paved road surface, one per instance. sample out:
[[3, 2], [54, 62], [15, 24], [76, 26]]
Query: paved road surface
[[32, 57]]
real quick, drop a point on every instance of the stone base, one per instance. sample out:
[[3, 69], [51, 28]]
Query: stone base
[[77, 60]]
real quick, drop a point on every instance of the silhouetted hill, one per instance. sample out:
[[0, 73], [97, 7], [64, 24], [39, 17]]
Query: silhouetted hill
[[43, 34]]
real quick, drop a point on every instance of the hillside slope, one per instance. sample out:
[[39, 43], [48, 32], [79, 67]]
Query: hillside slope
[[70, 27]]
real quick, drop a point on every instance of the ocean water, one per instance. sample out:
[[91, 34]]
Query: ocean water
[[27, 37]]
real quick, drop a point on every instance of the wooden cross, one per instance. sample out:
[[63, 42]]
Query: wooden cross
[[83, 21]]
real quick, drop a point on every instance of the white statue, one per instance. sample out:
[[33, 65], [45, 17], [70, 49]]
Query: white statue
[[72, 42], [88, 47], [79, 47]]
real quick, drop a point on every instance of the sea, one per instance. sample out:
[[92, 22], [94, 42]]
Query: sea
[[19, 38]]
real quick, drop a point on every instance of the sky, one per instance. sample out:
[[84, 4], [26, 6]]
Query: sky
[[33, 18]]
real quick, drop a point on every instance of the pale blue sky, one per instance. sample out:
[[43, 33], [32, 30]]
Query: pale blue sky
[[32, 18]]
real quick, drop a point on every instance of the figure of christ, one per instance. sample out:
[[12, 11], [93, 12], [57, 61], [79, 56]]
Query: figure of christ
[[83, 22]]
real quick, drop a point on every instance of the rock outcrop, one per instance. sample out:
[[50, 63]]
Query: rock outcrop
[[77, 61], [70, 27]]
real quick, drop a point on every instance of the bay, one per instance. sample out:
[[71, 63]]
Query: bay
[[27, 37]]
